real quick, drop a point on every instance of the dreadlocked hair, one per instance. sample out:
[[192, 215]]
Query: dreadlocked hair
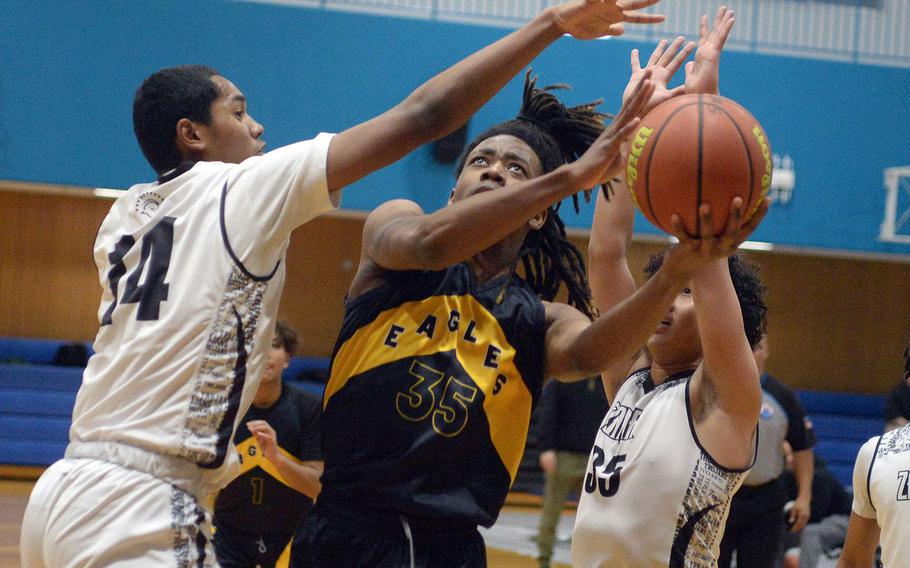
[[549, 259], [558, 135]]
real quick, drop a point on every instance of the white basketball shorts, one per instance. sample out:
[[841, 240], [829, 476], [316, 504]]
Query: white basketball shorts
[[88, 513]]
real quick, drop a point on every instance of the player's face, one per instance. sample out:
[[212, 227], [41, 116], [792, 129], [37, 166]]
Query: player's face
[[276, 362], [496, 162], [676, 339], [232, 136]]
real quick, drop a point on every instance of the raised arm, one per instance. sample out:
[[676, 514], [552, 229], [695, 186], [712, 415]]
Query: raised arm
[[609, 275], [725, 390], [399, 236], [447, 100], [301, 476], [611, 232], [727, 356], [577, 348]]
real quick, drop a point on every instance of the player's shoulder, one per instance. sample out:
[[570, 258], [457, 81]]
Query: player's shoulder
[[867, 450], [392, 209]]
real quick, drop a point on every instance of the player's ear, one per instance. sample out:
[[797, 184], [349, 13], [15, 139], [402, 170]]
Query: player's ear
[[452, 195], [537, 221], [188, 139]]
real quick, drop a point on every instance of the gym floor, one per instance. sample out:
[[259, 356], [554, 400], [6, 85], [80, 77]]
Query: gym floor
[[510, 543]]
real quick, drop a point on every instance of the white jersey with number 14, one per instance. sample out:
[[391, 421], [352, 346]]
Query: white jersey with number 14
[[192, 270]]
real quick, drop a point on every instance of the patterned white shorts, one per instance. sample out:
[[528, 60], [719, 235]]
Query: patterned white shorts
[[90, 513]]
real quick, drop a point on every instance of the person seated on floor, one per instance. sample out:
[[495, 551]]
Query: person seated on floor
[[828, 520]]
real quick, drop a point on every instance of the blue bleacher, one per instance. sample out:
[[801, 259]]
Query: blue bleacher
[[36, 401], [34, 351], [37, 398], [36, 405], [842, 423]]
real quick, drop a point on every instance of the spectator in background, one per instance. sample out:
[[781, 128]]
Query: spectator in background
[[897, 405], [756, 525], [570, 414], [827, 526], [278, 441]]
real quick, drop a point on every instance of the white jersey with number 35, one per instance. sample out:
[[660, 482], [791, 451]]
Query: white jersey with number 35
[[192, 270], [652, 497]]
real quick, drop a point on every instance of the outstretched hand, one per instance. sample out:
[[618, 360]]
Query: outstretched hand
[[590, 19], [665, 61], [702, 74], [693, 252], [603, 161]]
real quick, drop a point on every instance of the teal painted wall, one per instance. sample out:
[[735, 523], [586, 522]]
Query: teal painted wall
[[69, 70]]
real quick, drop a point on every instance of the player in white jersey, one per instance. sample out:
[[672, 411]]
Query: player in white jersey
[[680, 434], [192, 270], [881, 500]]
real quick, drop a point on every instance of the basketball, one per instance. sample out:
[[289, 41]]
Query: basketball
[[696, 149]]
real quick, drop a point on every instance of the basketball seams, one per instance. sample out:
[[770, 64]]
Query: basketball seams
[[706, 169], [745, 141], [650, 154]]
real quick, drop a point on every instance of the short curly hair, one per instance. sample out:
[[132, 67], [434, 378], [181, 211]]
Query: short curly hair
[[750, 291], [165, 97], [286, 338]]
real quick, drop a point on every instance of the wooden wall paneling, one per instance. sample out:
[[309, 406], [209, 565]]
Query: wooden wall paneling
[[48, 281], [835, 323], [321, 262]]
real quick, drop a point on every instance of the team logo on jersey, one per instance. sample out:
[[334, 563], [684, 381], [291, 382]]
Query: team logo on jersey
[[620, 422], [147, 203], [766, 412]]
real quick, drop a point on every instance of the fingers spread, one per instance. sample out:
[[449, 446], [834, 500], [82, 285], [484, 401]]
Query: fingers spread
[[616, 30], [668, 55], [689, 67], [636, 4], [636, 62], [674, 65], [642, 17], [706, 220], [678, 229], [657, 53]]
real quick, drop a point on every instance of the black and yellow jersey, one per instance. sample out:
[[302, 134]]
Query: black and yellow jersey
[[260, 500], [433, 380]]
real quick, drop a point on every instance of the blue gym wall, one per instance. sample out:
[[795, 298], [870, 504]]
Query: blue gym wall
[[69, 70]]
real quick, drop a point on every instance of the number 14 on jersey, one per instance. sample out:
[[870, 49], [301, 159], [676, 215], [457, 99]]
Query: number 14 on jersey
[[154, 260]]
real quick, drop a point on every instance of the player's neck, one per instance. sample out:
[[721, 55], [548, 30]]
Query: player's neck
[[495, 261], [267, 394], [663, 370]]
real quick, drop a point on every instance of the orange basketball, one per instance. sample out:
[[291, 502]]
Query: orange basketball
[[696, 149]]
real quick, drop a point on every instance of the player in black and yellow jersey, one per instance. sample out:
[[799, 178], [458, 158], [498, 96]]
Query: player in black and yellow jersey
[[257, 514], [444, 347]]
